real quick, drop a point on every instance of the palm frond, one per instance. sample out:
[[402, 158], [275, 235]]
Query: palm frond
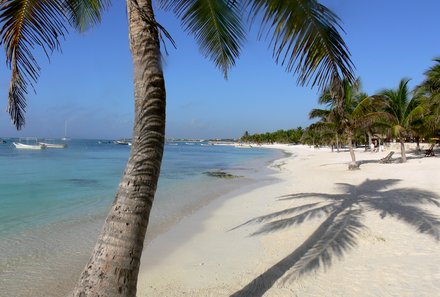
[[368, 111], [25, 25], [319, 113], [323, 127], [326, 97], [431, 122], [402, 91], [397, 101], [216, 25], [415, 113], [364, 106], [305, 39], [397, 130], [373, 119], [84, 14], [431, 84]]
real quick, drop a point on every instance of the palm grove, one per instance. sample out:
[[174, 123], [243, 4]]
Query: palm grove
[[354, 117], [304, 36]]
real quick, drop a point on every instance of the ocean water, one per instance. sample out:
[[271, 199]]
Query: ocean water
[[53, 202]]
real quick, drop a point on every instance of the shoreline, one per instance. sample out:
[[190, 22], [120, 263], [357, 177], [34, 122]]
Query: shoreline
[[223, 188], [259, 178], [226, 248]]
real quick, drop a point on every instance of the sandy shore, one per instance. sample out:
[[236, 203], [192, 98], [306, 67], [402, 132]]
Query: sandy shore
[[319, 230]]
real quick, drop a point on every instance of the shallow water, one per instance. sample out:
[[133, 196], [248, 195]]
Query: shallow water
[[53, 203]]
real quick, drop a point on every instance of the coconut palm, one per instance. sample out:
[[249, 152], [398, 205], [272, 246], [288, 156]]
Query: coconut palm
[[324, 129], [402, 112], [429, 92], [347, 111], [431, 84], [319, 133], [305, 40]]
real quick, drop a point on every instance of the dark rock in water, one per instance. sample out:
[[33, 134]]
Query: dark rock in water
[[220, 174], [83, 182]]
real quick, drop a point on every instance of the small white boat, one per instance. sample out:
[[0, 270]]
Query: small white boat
[[123, 142], [31, 144]]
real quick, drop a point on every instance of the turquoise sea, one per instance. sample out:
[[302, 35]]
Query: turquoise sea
[[53, 202]]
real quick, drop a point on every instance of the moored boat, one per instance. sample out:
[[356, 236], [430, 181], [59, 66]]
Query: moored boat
[[28, 143], [123, 142]]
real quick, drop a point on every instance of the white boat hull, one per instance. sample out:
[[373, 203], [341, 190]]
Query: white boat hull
[[122, 142], [23, 146]]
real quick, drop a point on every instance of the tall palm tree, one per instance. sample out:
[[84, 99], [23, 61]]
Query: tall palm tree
[[402, 112], [431, 84], [305, 39], [429, 92], [327, 125], [347, 110]]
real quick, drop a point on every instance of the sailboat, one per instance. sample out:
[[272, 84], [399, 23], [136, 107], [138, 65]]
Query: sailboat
[[65, 138]]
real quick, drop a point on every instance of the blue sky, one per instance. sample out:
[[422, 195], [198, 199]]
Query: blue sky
[[89, 84]]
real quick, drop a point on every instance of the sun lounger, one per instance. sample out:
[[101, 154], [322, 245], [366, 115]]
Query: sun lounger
[[430, 152], [387, 159]]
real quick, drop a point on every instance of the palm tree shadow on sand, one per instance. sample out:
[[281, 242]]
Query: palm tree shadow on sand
[[338, 233]]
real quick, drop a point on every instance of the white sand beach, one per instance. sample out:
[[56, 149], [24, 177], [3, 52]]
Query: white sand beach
[[319, 230]]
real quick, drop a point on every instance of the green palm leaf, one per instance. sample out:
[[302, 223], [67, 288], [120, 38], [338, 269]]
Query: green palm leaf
[[429, 93], [305, 39], [432, 82], [323, 128], [216, 25], [319, 113], [26, 24], [403, 113], [83, 14]]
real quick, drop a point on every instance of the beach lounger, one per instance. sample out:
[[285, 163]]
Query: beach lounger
[[430, 152], [387, 159]]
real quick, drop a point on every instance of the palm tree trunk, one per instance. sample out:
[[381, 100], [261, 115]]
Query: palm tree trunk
[[337, 142], [418, 150], [402, 149], [370, 139], [114, 265], [366, 145], [353, 164]]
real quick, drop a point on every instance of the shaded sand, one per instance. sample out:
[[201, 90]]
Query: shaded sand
[[319, 230]]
